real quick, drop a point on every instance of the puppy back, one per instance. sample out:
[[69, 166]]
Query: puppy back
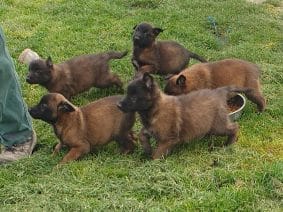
[[199, 109], [105, 114], [220, 73]]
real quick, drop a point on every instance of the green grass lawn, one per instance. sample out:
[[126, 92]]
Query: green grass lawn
[[247, 176]]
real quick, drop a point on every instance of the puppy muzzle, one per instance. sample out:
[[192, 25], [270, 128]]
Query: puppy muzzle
[[29, 80], [137, 38], [34, 113]]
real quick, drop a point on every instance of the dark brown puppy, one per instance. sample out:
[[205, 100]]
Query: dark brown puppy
[[212, 75], [159, 57], [82, 129], [172, 120], [75, 75]]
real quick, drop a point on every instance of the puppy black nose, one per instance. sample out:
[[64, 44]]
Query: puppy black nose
[[28, 79], [31, 112]]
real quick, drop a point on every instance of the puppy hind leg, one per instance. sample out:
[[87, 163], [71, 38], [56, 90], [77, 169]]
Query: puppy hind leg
[[255, 94], [257, 98], [110, 80], [115, 80], [232, 131], [224, 127], [75, 153]]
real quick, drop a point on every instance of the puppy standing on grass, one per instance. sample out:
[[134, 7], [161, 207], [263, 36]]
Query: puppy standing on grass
[[212, 75], [82, 129], [158, 57], [172, 120], [75, 75]]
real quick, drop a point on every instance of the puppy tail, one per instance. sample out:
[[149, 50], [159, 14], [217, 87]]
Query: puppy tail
[[116, 55], [197, 57]]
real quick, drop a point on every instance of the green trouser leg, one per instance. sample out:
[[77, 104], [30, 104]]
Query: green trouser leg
[[15, 121]]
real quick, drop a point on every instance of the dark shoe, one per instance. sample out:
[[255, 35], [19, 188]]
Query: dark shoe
[[19, 151]]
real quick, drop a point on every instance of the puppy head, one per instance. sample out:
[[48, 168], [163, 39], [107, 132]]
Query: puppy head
[[175, 85], [40, 71], [50, 107], [144, 34], [140, 94]]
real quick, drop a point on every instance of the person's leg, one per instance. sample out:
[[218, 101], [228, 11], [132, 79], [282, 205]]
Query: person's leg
[[16, 133]]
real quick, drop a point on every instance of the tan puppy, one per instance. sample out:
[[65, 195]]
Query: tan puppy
[[82, 129], [212, 75], [75, 75], [158, 57], [172, 120]]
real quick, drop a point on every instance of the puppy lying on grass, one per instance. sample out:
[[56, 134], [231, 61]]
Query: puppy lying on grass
[[212, 75], [158, 57], [75, 75], [82, 129], [172, 120]]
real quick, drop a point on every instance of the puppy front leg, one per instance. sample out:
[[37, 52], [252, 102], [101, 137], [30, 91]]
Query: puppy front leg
[[163, 149], [57, 149], [144, 137], [75, 153], [126, 143]]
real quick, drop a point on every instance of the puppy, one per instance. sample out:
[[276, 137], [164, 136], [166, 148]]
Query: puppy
[[226, 72], [82, 129], [172, 120], [75, 75], [159, 57]]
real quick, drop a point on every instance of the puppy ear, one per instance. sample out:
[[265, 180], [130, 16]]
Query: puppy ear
[[148, 80], [181, 81], [65, 106], [156, 31], [49, 62]]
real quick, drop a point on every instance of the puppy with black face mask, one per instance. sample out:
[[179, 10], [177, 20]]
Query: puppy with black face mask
[[158, 57], [83, 129], [75, 75], [172, 120]]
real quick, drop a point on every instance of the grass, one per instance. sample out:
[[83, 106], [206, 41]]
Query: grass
[[247, 176]]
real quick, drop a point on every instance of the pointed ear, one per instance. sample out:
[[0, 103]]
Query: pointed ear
[[181, 81], [49, 62], [135, 27], [148, 80], [156, 31], [65, 106]]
